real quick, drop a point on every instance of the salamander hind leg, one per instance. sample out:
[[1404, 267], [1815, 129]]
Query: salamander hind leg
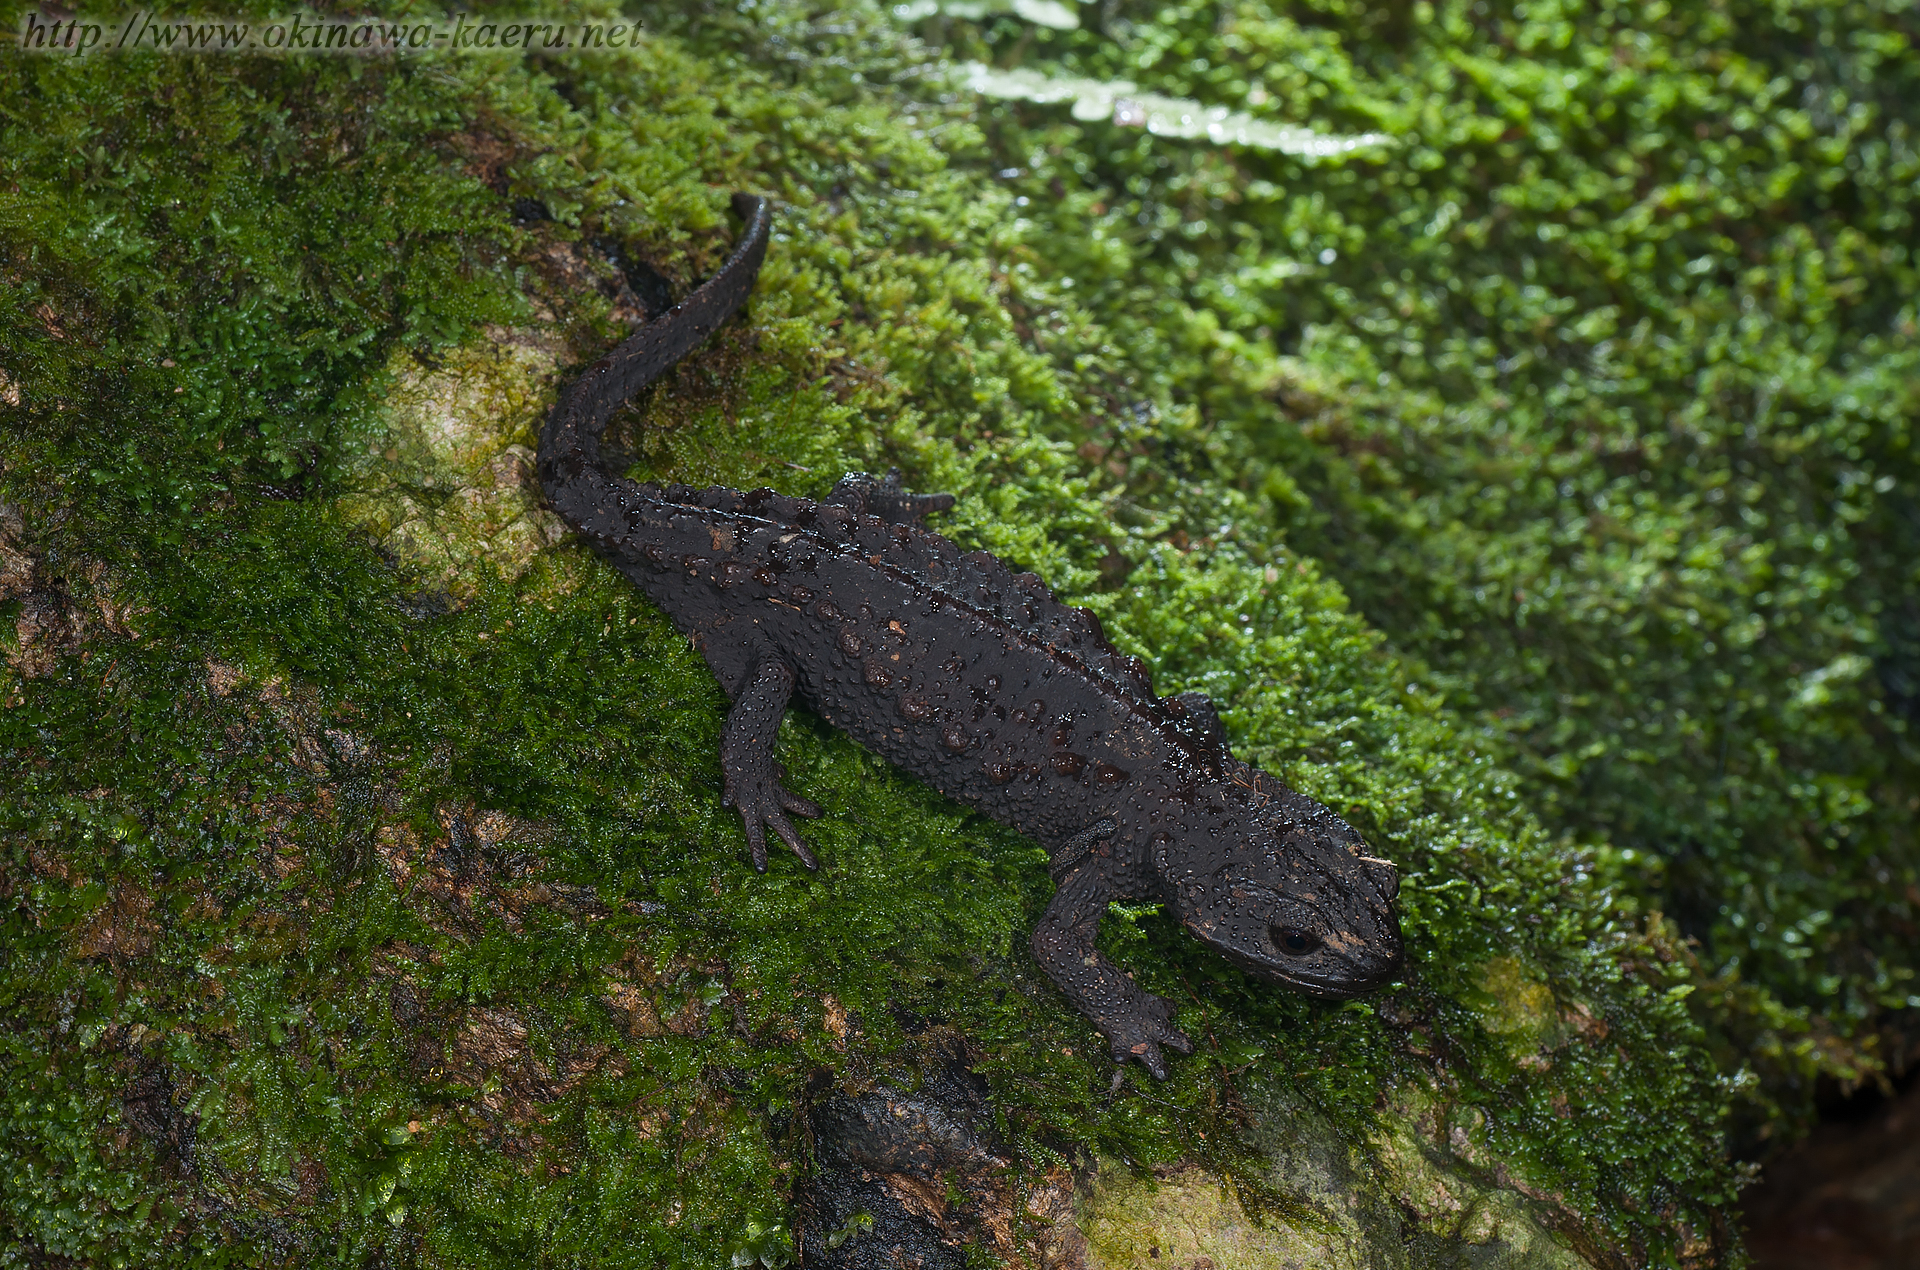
[[865, 495], [752, 776]]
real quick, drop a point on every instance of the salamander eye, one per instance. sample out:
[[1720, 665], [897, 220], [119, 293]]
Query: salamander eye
[[1293, 941]]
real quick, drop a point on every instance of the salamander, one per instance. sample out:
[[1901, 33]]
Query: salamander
[[975, 679]]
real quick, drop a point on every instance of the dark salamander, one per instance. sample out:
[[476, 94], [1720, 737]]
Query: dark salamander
[[975, 679]]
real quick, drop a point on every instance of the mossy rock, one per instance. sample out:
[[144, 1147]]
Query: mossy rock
[[369, 899], [1402, 1200], [447, 481]]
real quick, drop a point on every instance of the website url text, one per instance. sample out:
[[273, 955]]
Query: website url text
[[148, 32]]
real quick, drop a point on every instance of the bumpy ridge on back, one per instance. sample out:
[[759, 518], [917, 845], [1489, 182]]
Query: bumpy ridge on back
[[982, 581], [570, 451]]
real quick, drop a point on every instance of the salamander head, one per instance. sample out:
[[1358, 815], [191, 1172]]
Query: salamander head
[[1284, 888]]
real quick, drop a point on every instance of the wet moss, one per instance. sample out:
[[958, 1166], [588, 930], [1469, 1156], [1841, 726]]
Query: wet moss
[[1594, 392], [367, 903]]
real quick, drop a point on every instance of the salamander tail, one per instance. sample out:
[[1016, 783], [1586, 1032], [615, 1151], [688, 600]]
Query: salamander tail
[[570, 441]]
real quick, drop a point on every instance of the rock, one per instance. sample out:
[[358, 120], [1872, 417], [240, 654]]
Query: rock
[[450, 487], [1847, 1196], [910, 1174], [904, 1178], [1186, 1219], [1329, 1205]]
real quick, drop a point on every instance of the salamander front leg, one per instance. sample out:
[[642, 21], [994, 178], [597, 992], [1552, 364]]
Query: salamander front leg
[[1135, 1023], [752, 777]]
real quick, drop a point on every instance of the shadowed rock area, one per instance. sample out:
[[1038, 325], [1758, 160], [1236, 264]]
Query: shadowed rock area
[[904, 1177], [1848, 1198]]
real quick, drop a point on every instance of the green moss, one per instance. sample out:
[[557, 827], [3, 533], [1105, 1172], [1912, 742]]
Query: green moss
[[1595, 393], [425, 909]]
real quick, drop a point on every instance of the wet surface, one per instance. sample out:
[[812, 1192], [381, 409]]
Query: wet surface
[[905, 1179], [1848, 1198]]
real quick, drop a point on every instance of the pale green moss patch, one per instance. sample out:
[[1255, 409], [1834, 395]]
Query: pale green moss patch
[[1520, 1007], [1189, 1219], [1439, 1175], [447, 483]]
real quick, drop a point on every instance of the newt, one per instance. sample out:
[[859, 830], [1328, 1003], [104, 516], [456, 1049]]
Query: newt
[[975, 679]]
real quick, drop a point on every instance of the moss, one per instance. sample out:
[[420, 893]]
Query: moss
[[1595, 394], [349, 920]]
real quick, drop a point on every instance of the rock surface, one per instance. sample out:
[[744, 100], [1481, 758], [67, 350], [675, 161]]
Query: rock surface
[[450, 488], [912, 1176], [1408, 1204], [1848, 1198]]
